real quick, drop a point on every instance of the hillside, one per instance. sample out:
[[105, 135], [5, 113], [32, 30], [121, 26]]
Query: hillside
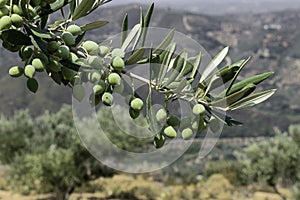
[[272, 39]]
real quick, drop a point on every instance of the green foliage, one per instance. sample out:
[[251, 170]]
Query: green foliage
[[275, 161], [46, 154], [231, 170]]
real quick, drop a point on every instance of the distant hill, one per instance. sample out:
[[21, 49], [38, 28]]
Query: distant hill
[[220, 7], [273, 39]]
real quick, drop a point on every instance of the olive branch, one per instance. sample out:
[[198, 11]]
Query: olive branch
[[59, 49]]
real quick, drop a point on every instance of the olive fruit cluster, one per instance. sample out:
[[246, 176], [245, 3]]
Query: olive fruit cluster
[[10, 18], [104, 71], [187, 126]]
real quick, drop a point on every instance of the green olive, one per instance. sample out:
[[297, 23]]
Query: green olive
[[104, 50], [74, 30], [137, 104], [17, 10], [54, 65], [4, 11], [17, 20], [118, 63], [198, 109], [53, 46], [38, 64], [170, 132], [43, 57], [114, 79], [68, 38], [29, 71], [161, 115], [95, 61], [63, 52], [67, 73], [5, 23], [91, 47], [118, 53], [99, 88], [15, 71], [187, 134], [3, 3], [107, 99], [26, 52]]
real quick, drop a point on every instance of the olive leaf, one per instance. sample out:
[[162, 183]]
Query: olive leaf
[[39, 32], [214, 63], [252, 100], [57, 5], [150, 116], [135, 57], [93, 25], [146, 23], [16, 37], [83, 9], [165, 64], [124, 29], [254, 80], [131, 36], [165, 43]]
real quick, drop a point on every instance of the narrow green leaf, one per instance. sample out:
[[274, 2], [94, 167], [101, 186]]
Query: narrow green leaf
[[252, 100], [165, 43], [124, 29], [150, 116], [57, 5], [196, 65], [166, 62], [177, 67], [236, 75], [131, 36], [24, 6], [231, 99], [16, 37], [72, 6], [225, 119], [146, 23], [38, 43], [136, 56], [226, 73], [44, 21], [39, 32], [70, 65], [93, 25], [83, 9], [208, 89], [181, 86], [216, 61], [79, 38], [138, 37], [254, 80]]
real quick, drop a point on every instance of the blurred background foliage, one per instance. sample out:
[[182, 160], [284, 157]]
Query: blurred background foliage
[[43, 155]]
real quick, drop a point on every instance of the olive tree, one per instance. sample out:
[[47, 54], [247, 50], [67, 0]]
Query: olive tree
[[45, 153], [60, 50], [276, 161]]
